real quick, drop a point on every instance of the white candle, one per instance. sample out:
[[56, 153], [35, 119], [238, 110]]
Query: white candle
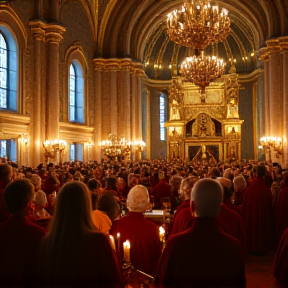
[[112, 242], [126, 248], [118, 242]]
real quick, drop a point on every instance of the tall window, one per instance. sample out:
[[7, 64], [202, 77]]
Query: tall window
[[8, 70], [8, 149], [162, 116], [76, 152], [76, 93]]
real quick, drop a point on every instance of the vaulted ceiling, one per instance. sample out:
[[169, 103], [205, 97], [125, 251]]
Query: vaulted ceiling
[[137, 29]]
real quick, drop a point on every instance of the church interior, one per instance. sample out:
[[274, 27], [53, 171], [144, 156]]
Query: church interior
[[83, 79], [74, 73]]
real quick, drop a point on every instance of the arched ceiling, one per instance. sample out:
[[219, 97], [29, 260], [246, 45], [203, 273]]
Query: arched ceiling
[[137, 29]]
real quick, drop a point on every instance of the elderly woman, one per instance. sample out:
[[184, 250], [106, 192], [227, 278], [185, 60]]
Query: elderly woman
[[74, 253], [239, 189], [142, 234]]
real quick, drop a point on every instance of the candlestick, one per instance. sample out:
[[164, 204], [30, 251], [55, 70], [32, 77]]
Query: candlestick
[[126, 248], [162, 234], [112, 242]]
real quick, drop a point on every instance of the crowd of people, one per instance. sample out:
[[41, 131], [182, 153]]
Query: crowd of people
[[57, 222]]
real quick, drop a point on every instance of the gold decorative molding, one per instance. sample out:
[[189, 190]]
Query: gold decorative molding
[[38, 29], [53, 33]]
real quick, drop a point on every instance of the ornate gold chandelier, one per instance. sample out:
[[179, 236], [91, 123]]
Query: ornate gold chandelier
[[198, 25], [201, 70]]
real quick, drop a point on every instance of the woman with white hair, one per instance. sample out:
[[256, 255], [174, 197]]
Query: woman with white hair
[[142, 234]]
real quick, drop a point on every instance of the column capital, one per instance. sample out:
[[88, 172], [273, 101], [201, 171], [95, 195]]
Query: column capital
[[263, 54], [273, 45], [37, 27], [54, 32], [283, 41]]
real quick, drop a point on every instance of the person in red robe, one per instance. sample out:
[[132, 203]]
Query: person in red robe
[[257, 214], [203, 255], [281, 209], [281, 262], [20, 238], [184, 193], [161, 190], [6, 173], [142, 234], [230, 217]]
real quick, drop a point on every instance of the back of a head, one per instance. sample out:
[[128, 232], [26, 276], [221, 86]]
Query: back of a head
[[108, 203], [239, 183], [111, 182], [93, 184], [175, 182], [36, 181], [18, 194], [138, 199], [207, 195], [214, 173], [260, 171], [187, 185], [227, 187], [73, 208], [5, 172], [40, 199]]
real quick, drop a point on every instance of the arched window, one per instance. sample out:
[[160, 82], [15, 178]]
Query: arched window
[[76, 152], [8, 70], [162, 117], [76, 93]]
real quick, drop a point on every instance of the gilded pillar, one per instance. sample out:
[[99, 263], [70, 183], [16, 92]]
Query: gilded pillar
[[275, 92], [53, 38]]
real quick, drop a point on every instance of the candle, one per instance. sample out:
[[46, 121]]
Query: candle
[[162, 234], [126, 248], [118, 242], [112, 242]]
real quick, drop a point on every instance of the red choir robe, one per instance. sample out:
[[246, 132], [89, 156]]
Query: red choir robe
[[19, 243], [143, 236], [161, 190], [258, 216], [202, 256], [185, 221], [281, 261], [281, 213], [233, 207], [235, 225], [185, 204]]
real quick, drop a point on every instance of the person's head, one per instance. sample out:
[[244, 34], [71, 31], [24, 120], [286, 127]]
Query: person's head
[[72, 209], [214, 173], [19, 196], [5, 172], [111, 183], [186, 187], [133, 180], [260, 171], [93, 184], [175, 182], [40, 200], [138, 199], [239, 183], [206, 198], [227, 187], [36, 181], [120, 184], [108, 203], [228, 173]]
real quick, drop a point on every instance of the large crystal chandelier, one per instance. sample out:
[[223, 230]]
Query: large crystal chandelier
[[198, 25], [201, 70]]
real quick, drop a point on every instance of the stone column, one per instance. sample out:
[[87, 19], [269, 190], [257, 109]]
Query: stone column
[[275, 89], [98, 108], [37, 124], [53, 38], [113, 100], [265, 58], [284, 46]]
